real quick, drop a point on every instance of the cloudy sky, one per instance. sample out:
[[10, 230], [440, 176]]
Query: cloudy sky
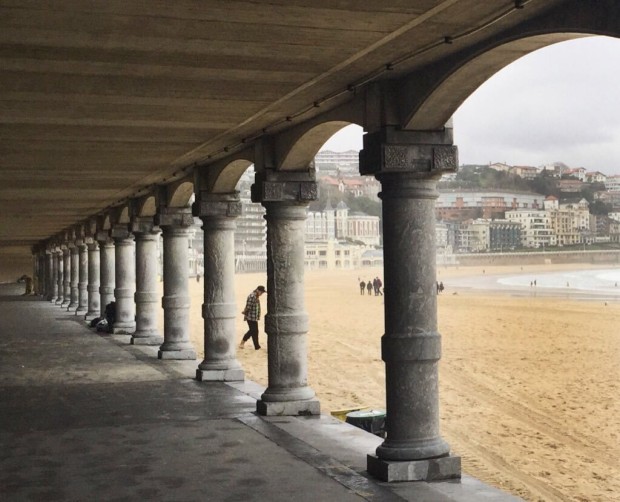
[[561, 103]]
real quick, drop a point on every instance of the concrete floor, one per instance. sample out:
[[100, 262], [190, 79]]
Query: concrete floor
[[85, 416]]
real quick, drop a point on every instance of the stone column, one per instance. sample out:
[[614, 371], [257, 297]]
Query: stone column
[[75, 273], [41, 273], [66, 258], [54, 271], [175, 224], [60, 266], [107, 270], [82, 278], [125, 323], [408, 166], [286, 321], [49, 276], [219, 310], [94, 297], [147, 295]]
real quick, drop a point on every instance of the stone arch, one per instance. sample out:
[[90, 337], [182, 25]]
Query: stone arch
[[228, 177], [297, 153], [432, 94], [123, 215], [180, 193], [107, 222], [147, 206]]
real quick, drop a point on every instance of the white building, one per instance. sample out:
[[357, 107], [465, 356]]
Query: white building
[[536, 230], [612, 183]]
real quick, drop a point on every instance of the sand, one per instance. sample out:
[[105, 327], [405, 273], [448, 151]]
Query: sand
[[528, 384]]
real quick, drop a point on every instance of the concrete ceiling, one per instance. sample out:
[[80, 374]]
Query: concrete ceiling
[[99, 99]]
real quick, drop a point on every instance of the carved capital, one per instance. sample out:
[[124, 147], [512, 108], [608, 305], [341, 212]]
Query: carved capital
[[209, 205], [283, 191], [144, 225], [120, 232], [427, 155], [174, 216]]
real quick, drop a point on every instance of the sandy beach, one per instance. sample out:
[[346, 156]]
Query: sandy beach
[[529, 383]]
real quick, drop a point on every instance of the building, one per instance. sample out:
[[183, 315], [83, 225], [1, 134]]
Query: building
[[595, 177], [463, 205], [525, 172], [612, 183], [250, 235], [570, 220], [536, 230]]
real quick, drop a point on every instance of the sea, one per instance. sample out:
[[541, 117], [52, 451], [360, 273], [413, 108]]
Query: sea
[[593, 283]]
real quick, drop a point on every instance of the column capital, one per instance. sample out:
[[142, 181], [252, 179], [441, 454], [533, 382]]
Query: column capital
[[120, 232], [280, 186], [103, 237], [174, 216], [93, 245], [211, 205], [144, 225], [426, 154]]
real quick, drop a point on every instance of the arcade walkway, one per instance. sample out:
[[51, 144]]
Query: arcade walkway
[[90, 417]]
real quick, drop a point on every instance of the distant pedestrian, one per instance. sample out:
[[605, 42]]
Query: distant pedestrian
[[197, 277], [362, 287], [379, 286], [369, 287], [251, 314], [441, 288], [534, 282]]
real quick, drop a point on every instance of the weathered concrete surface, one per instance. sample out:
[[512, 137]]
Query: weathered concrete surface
[[88, 417]]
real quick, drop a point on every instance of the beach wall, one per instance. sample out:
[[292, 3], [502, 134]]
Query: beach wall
[[542, 258]]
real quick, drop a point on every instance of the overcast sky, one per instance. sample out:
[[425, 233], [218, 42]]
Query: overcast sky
[[560, 103]]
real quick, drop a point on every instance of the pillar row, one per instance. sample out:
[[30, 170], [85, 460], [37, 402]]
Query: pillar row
[[147, 296], [94, 297], [107, 269], [408, 165], [54, 273], [219, 310], [41, 273], [175, 224], [286, 321], [125, 323], [49, 275]]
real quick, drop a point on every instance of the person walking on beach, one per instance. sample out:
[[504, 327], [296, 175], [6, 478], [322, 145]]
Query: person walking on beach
[[379, 286], [251, 314], [369, 287], [362, 287]]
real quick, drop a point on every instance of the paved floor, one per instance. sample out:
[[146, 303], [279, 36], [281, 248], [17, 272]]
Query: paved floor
[[85, 416]]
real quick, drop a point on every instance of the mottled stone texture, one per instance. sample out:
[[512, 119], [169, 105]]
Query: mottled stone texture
[[286, 322], [82, 279], [219, 310], [175, 225], [75, 274], [60, 266], [66, 256], [411, 345], [147, 297], [107, 264], [125, 323], [94, 297]]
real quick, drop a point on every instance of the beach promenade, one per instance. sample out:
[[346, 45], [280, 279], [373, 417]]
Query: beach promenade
[[90, 417]]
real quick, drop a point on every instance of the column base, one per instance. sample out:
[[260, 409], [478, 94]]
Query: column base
[[288, 408], [91, 315], [81, 311], [231, 375], [177, 354], [433, 469], [147, 340], [65, 304], [123, 329], [59, 302]]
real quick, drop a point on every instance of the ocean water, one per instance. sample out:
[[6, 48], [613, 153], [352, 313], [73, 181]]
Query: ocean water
[[586, 281]]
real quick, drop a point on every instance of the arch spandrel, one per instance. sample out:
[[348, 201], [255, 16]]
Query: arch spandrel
[[228, 177], [147, 206]]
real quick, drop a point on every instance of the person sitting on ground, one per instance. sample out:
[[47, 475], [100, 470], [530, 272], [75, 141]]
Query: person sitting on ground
[[110, 315]]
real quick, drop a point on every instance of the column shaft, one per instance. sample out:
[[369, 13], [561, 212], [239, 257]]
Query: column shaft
[[219, 309], [94, 297], [107, 262], [66, 258], [49, 276], [125, 322], [75, 274], [54, 270], [176, 301], [82, 280], [60, 279], [147, 296], [286, 322]]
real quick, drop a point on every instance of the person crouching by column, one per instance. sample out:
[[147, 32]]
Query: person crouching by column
[[251, 314]]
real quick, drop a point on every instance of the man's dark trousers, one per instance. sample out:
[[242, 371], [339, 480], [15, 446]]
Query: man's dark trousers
[[252, 332]]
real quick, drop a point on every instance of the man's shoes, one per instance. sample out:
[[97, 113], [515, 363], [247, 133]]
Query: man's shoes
[[241, 345], [257, 348]]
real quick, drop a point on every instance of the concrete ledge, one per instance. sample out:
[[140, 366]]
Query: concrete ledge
[[289, 408], [434, 469], [147, 340], [236, 375], [176, 354]]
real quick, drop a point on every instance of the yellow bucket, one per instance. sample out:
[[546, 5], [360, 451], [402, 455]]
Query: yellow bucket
[[342, 414]]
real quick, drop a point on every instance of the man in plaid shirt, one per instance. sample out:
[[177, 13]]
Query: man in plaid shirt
[[251, 314]]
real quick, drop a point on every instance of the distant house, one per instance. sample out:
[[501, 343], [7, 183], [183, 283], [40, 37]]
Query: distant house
[[612, 183], [595, 177], [501, 167], [576, 172], [526, 172]]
